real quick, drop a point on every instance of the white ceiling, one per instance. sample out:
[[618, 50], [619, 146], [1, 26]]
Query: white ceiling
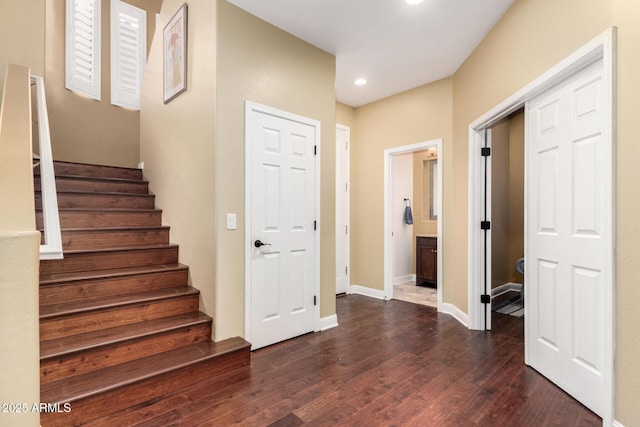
[[394, 46]]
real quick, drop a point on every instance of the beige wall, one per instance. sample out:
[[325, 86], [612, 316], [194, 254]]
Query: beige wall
[[19, 255], [345, 115], [531, 37], [500, 270], [83, 129], [516, 195], [507, 200], [22, 35], [418, 115], [261, 63], [177, 145], [194, 155]]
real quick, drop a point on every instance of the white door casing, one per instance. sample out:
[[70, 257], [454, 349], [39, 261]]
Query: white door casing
[[342, 209], [568, 276], [282, 276], [389, 154], [487, 234]]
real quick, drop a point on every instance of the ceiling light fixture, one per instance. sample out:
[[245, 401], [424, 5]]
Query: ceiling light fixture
[[412, 2], [360, 82]]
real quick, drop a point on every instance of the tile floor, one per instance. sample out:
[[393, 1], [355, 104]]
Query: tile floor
[[409, 292]]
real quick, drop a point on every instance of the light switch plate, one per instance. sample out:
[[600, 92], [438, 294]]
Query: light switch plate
[[231, 221]]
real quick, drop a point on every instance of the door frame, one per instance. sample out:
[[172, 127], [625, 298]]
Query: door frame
[[388, 212], [251, 106], [346, 208], [601, 47]]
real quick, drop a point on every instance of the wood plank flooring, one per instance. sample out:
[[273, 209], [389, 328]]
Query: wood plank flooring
[[388, 363]]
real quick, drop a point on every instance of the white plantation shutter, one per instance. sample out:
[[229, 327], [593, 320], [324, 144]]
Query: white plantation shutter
[[82, 47], [128, 53]]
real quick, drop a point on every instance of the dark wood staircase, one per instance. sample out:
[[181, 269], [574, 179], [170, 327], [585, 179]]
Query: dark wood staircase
[[119, 324]]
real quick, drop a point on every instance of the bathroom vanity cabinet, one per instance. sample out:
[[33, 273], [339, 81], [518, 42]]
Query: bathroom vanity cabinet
[[426, 261]]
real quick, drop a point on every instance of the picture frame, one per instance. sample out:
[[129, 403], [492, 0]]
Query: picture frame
[[175, 55]]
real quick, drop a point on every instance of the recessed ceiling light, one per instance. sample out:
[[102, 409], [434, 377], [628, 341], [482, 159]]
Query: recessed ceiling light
[[412, 2], [360, 82]]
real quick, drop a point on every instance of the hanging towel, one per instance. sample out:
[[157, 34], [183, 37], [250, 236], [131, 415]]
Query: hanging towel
[[408, 216]]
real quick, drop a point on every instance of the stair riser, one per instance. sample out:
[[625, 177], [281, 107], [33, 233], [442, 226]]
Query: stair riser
[[79, 219], [98, 406], [78, 291], [107, 260], [96, 186], [89, 360], [111, 318], [63, 168], [101, 201], [75, 240]]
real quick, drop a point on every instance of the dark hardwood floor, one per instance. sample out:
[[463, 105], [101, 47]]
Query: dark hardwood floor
[[388, 363]]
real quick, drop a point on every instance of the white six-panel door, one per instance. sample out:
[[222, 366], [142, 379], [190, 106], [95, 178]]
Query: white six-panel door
[[568, 281], [283, 280]]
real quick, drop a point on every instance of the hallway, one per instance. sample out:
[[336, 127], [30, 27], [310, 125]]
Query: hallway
[[387, 363]]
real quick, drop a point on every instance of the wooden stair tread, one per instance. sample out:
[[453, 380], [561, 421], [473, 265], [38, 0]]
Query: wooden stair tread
[[114, 229], [70, 344], [105, 210], [37, 191], [48, 279], [72, 389], [120, 249], [96, 178], [65, 309], [94, 165]]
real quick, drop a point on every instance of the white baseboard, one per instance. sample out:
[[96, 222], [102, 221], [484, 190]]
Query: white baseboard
[[446, 308], [454, 311], [404, 279], [328, 322], [367, 292], [616, 424], [499, 290]]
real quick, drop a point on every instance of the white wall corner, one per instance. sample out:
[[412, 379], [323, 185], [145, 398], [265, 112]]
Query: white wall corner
[[328, 322], [367, 292], [454, 311]]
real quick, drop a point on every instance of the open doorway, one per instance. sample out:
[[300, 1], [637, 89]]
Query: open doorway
[[423, 200], [569, 222], [507, 218]]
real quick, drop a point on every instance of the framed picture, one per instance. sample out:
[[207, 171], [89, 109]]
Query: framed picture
[[175, 55]]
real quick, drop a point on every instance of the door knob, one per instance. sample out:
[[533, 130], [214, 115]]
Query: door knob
[[258, 243]]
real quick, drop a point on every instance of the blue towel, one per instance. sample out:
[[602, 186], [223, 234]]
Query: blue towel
[[408, 216]]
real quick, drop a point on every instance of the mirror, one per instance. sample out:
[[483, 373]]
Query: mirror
[[433, 188], [430, 208]]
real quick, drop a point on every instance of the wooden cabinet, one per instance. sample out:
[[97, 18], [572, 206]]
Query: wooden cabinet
[[426, 261]]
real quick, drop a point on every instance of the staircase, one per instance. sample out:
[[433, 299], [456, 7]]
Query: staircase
[[119, 324]]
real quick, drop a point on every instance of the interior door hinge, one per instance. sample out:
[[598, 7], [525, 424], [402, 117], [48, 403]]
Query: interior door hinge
[[346, 145], [485, 299], [315, 225], [485, 151], [346, 270], [485, 225], [346, 229], [315, 300], [315, 150]]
